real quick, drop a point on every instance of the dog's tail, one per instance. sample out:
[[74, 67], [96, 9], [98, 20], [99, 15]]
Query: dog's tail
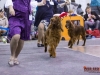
[[45, 43]]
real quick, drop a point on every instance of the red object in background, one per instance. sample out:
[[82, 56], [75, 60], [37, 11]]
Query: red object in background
[[95, 33], [89, 32], [63, 14]]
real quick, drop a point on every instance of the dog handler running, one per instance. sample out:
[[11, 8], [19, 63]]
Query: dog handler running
[[42, 18], [19, 25]]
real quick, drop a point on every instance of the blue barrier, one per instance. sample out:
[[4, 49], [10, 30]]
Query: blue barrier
[[3, 28], [95, 2]]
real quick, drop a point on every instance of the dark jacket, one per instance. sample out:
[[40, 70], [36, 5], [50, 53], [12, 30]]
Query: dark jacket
[[93, 13], [44, 12], [60, 9]]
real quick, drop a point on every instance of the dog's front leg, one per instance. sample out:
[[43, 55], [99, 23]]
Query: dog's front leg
[[78, 41], [84, 39], [53, 51], [78, 38], [71, 43], [50, 51], [45, 43]]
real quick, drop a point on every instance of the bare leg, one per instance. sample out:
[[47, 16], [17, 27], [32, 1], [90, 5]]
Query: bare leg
[[40, 32], [18, 50], [13, 47]]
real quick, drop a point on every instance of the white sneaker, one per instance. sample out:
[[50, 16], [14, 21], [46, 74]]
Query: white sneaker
[[4, 40]]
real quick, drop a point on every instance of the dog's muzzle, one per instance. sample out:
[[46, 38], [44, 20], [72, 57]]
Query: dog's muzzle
[[67, 26]]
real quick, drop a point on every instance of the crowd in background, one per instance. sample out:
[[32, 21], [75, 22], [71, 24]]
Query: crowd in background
[[91, 18]]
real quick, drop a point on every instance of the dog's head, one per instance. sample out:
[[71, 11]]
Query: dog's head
[[55, 22], [69, 24]]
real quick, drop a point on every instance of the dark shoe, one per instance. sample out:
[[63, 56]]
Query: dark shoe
[[40, 45], [34, 39], [89, 37]]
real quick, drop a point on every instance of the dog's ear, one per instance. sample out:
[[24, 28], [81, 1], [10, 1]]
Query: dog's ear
[[60, 26], [59, 20], [59, 23], [51, 20], [72, 23]]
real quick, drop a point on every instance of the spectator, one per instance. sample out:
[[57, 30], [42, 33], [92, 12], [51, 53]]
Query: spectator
[[73, 7], [6, 13], [91, 19], [64, 8], [88, 4], [3, 22], [79, 10]]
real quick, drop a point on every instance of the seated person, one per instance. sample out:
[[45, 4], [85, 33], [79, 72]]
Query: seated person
[[79, 10], [3, 23], [64, 8], [91, 19], [73, 6]]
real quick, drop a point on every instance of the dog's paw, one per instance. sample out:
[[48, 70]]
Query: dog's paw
[[70, 47], [68, 44], [50, 55], [45, 51], [83, 45], [53, 56]]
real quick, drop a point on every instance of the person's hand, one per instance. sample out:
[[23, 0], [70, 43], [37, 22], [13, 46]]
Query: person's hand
[[11, 11], [44, 2], [89, 18], [93, 16], [67, 2]]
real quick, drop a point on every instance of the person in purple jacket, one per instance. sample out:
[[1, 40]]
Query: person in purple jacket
[[19, 25], [42, 18]]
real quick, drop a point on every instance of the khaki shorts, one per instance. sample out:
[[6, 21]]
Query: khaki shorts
[[46, 23]]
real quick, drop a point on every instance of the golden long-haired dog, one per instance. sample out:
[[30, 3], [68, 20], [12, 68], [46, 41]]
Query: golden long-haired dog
[[74, 32], [53, 35]]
